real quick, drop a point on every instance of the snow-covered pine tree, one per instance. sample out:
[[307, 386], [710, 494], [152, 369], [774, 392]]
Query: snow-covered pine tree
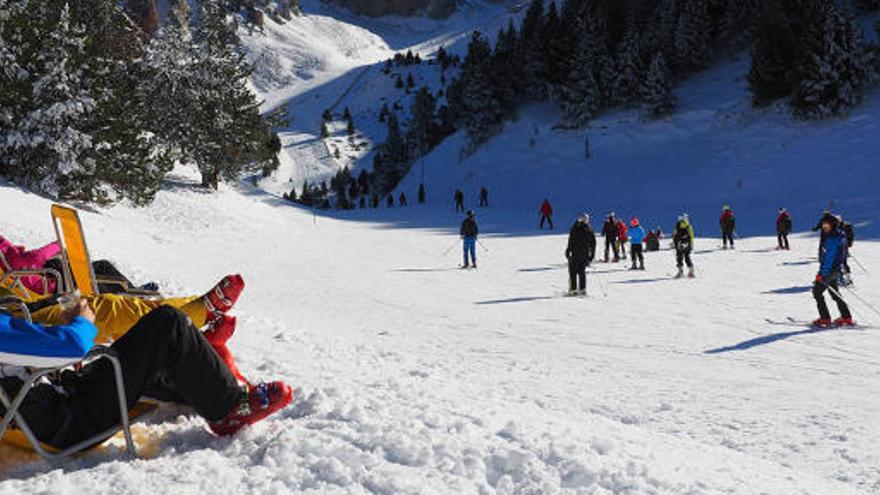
[[530, 49], [505, 71], [481, 111], [692, 36], [836, 67], [557, 49], [46, 138], [774, 55], [656, 90], [580, 98], [420, 133], [630, 71]]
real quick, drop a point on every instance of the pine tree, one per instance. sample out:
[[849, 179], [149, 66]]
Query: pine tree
[[836, 68], [419, 134], [656, 90], [350, 129], [692, 36], [504, 70], [629, 74], [530, 51], [346, 114], [481, 111], [410, 82], [773, 58], [327, 116], [581, 96]]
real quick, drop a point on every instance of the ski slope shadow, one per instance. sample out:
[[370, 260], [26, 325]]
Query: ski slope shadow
[[797, 263], [644, 280], [790, 290], [764, 340], [513, 300]]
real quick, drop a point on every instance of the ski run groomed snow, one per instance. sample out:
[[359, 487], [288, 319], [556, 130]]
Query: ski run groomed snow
[[415, 377]]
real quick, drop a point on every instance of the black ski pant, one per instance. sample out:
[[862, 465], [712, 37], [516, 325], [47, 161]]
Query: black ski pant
[[622, 249], [727, 236], [163, 356], [635, 251], [577, 274], [783, 240], [683, 257], [459, 206], [611, 243], [484, 202], [819, 289], [548, 219]]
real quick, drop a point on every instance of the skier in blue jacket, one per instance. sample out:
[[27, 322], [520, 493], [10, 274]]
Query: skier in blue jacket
[[163, 356], [636, 238], [832, 257], [469, 232]]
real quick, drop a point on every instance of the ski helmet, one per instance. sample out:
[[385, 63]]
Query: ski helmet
[[584, 218], [470, 213]]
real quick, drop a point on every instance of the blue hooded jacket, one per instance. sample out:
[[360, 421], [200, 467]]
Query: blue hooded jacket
[[636, 234], [833, 253], [30, 344]]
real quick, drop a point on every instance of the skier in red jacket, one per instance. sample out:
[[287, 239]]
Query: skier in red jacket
[[546, 213]]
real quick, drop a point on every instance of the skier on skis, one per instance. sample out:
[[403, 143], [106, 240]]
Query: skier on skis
[[421, 194], [622, 237], [833, 256], [580, 253], [484, 197], [458, 196], [609, 230], [402, 199], [546, 213], [469, 232], [783, 228], [683, 241], [636, 237], [727, 221]]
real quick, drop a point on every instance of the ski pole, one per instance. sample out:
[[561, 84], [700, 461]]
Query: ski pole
[[863, 301], [859, 264], [601, 285], [450, 248], [483, 245]]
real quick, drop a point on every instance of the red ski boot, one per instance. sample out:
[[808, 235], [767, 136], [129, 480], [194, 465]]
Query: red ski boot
[[844, 322], [823, 323], [222, 297], [257, 402]]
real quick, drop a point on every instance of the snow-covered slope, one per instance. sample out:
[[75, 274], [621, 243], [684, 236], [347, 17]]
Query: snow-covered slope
[[415, 377]]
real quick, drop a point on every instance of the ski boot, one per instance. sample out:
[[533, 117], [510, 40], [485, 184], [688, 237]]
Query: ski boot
[[257, 402], [691, 273], [823, 323], [844, 322], [680, 273]]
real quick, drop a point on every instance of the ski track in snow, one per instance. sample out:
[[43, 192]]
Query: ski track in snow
[[415, 377]]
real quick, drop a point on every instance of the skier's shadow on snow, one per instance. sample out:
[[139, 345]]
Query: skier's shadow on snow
[[425, 270], [790, 290], [542, 268], [796, 263], [513, 300], [764, 340], [643, 280]]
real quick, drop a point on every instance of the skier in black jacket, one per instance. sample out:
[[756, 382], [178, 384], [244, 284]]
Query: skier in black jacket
[[609, 230], [469, 232], [580, 252]]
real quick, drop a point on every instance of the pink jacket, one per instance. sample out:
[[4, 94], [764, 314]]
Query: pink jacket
[[20, 259]]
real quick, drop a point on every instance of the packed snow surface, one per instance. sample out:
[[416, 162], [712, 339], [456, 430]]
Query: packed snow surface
[[414, 376]]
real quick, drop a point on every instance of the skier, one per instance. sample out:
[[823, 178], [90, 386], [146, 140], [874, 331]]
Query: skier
[[826, 216], [546, 213], [850, 233], [374, 203], [458, 196], [621, 237], [652, 240], [683, 240], [469, 232], [636, 236], [421, 197], [833, 256], [402, 199], [389, 201], [362, 203], [728, 225], [580, 253], [484, 197], [783, 228], [609, 230]]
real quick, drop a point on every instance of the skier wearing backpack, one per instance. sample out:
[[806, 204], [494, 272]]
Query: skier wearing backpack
[[609, 230], [833, 256], [636, 237], [469, 232], [727, 221], [683, 240], [850, 233], [580, 253], [546, 213], [622, 237], [783, 228]]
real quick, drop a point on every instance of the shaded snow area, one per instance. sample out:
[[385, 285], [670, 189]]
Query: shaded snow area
[[413, 376]]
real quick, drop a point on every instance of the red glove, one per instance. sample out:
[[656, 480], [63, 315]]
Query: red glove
[[818, 278]]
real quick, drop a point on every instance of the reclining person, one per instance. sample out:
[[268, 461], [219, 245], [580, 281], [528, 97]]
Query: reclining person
[[163, 356]]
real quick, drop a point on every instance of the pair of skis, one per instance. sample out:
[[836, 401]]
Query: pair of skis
[[793, 322]]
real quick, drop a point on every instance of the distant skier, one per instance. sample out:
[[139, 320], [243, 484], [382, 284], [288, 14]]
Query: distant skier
[[469, 232], [683, 241], [362, 202], [374, 203], [621, 237], [546, 213], [727, 221], [783, 228], [458, 196], [421, 197], [609, 230], [652, 241], [389, 201], [636, 237], [484, 197], [580, 253], [833, 255], [402, 199], [850, 233]]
